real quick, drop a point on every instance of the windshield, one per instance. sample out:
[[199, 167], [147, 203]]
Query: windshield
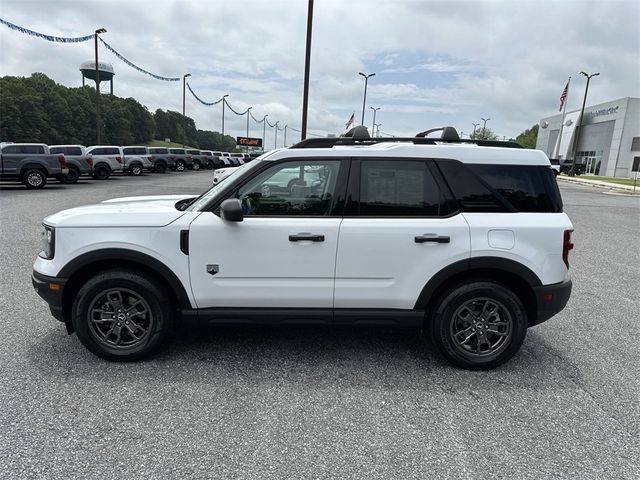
[[213, 192]]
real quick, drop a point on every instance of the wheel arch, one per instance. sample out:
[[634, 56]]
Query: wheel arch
[[513, 275], [80, 269]]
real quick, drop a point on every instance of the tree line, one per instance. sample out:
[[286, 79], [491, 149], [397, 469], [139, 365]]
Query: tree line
[[37, 109]]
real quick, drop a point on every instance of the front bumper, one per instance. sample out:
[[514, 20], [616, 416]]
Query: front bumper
[[50, 290], [550, 300]]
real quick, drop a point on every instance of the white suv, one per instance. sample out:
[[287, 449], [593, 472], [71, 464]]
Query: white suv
[[463, 239]]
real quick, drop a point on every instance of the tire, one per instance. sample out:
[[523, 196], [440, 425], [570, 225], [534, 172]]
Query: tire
[[101, 172], [135, 169], [180, 166], [34, 178], [71, 177], [102, 327], [196, 165], [478, 325], [160, 167]]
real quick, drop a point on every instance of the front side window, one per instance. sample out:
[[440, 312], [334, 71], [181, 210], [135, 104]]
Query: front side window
[[300, 188], [398, 188]]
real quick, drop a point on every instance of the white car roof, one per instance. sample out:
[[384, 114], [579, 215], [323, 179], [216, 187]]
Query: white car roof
[[466, 153]]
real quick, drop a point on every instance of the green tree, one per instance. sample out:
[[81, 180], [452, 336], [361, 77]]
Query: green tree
[[484, 134], [529, 137]]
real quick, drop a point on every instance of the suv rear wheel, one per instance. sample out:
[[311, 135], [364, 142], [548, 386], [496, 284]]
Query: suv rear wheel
[[478, 325], [71, 177], [160, 167], [34, 178], [135, 169], [196, 165], [180, 165], [122, 315]]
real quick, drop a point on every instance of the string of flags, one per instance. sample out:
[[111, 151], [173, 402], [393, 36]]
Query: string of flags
[[132, 65], [211, 104], [50, 38]]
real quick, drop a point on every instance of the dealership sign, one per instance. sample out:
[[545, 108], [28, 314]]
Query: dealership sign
[[249, 142], [604, 111]]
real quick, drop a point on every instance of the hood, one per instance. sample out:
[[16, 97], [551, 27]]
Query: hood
[[153, 211]]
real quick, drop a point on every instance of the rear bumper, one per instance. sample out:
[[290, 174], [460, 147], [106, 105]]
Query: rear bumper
[[50, 290], [550, 300]]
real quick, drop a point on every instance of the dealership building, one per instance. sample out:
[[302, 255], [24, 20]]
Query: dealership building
[[609, 143]]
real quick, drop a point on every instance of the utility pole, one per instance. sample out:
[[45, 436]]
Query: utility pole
[[473, 136], [285, 135], [373, 124], [98, 121], [485, 120], [184, 118], [264, 138], [275, 143], [572, 172], [364, 100], [248, 110], [307, 65], [224, 100]]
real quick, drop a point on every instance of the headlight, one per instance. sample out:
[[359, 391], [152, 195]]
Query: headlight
[[48, 242]]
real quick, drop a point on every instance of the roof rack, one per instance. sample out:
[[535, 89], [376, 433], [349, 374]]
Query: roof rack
[[360, 136]]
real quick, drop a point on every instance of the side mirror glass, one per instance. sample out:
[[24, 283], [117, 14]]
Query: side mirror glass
[[231, 210]]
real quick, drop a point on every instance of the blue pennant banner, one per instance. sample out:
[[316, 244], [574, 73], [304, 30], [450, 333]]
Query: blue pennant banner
[[200, 100], [132, 65], [50, 38]]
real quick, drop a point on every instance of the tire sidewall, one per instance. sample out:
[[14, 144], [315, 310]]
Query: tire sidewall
[[442, 317], [156, 298], [160, 167], [101, 172], [196, 165], [71, 177], [135, 169]]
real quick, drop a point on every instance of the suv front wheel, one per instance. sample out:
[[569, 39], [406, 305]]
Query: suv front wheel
[[122, 315], [478, 325]]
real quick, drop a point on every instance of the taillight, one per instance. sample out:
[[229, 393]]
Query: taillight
[[172, 158], [89, 160], [62, 161], [567, 245], [119, 159]]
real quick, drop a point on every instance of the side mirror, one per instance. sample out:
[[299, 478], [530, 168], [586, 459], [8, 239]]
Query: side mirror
[[231, 210]]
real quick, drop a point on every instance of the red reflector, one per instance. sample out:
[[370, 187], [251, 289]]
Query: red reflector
[[547, 297]]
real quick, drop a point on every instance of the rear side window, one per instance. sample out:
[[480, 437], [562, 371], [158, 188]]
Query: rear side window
[[159, 151], [177, 151], [11, 149], [32, 149], [97, 151], [496, 188], [112, 151], [398, 189], [66, 150]]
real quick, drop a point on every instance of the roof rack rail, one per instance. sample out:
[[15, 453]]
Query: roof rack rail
[[360, 136]]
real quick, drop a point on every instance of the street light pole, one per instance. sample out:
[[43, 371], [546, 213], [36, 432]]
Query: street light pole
[[364, 100], [264, 126], [275, 143], [377, 125], [307, 65], [373, 124], [474, 130], [184, 118], [248, 114], [485, 120], [572, 172], [224, 100], [98, 121], [285, 135]]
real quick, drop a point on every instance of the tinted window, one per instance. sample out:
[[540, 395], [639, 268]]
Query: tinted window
[[159, 151], [31, 149], [11, 149], [292, 188], [97, 151], [66, 150], [193, 152], [398, 188], [177, 151], [483, 187], [527, 187], [111, 151]]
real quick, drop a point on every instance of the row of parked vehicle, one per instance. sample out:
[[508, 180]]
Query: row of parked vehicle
[[33, 163]]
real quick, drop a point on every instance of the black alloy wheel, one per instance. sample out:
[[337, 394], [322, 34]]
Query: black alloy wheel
[[101, 172], [34, 178], [123, 315], [160, 167], [71, 177], [478, 325], [180, 165]]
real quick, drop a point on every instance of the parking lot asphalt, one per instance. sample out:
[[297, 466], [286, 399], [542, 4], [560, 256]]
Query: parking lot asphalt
[[274, 402]]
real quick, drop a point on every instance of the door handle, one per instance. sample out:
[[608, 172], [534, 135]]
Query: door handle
[[432, 237], [310, 237]]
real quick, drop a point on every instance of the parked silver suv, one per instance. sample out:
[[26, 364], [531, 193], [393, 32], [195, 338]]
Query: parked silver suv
[[106, 160], [78, 161]]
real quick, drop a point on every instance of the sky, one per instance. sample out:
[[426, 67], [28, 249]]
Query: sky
[[436, 62]]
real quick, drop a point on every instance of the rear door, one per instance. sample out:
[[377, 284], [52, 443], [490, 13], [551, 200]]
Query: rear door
[[398, 231], [11, 156]]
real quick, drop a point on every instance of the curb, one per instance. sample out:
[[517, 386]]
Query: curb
[[608, 186]]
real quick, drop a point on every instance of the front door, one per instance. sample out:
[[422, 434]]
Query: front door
[[282, 255]]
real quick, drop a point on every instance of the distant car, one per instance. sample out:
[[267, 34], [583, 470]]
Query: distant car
[[78, 161], [107, 159], [199, 160], [136, 159], [31, 163], [161, 159], [181, 158]]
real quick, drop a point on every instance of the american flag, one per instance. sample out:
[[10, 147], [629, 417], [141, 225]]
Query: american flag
[[563, 96], [350, 121]]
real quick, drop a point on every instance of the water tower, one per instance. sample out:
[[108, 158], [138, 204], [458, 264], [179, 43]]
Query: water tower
[[105, 72]]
